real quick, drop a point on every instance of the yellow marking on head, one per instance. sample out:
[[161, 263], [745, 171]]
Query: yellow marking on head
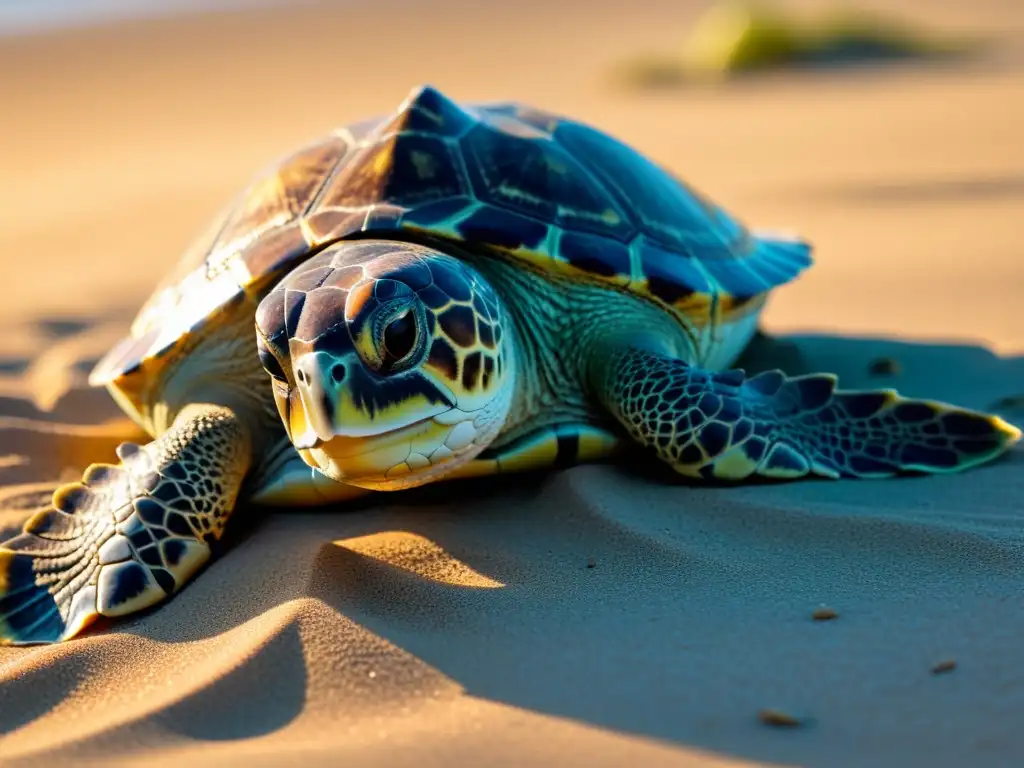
[[400, 458], [438, 370], [298, 423], [354, 420], [366, 345], [399, 470], [419, 556]]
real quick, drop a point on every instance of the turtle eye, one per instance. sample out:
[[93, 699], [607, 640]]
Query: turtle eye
[[270, 364], [399, 339]]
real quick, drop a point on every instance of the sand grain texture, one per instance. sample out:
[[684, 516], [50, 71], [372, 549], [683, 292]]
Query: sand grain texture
[[597, 616]]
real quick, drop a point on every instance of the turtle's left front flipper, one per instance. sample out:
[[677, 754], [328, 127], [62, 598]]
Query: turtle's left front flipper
[[127, 536], [730, 426]]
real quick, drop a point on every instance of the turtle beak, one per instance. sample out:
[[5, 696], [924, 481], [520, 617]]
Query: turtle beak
[[319, 378], [337, 402]]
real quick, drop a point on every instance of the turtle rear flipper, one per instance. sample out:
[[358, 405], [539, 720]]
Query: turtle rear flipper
[[730, 426], [128, 535]]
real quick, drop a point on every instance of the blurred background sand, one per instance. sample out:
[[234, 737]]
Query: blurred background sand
[[589, 617]]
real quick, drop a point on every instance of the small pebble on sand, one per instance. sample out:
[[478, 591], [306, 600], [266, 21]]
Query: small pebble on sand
[[779, 718], [946, 665], [824, 613]]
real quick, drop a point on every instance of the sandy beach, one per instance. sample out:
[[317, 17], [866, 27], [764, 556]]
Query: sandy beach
[[601, 615]]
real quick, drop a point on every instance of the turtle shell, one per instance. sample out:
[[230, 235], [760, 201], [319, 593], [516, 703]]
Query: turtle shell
[[552, 193]]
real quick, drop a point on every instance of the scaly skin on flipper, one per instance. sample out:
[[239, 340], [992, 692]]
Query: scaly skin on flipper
[[127, 536], [728, 426]]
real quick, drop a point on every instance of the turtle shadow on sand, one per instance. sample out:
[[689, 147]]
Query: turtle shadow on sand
[[621, 601]]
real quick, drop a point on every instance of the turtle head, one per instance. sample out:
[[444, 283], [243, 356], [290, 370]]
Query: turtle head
[[388, 362]]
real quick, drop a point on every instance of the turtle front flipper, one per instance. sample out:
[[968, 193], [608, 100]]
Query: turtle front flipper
[[730, 426], [127, 536]]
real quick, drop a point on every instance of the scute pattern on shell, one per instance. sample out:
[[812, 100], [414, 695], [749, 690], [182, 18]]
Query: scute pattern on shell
[[555, 194]]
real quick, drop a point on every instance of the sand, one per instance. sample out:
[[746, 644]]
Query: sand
[[596, 616]]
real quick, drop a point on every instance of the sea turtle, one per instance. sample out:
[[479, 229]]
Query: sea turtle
[[448, 291]]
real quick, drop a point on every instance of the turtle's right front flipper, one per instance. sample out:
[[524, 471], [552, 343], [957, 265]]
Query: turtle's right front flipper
[[127, 536]]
